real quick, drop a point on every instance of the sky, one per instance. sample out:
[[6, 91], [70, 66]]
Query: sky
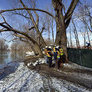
[[42, 4]]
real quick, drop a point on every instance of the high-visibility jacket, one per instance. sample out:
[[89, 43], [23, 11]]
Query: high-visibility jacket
[[49, 54], [45, 50], [54, 50], [61, 51], [58, 54]]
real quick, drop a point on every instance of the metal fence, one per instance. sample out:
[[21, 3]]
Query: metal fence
[[80, 56]]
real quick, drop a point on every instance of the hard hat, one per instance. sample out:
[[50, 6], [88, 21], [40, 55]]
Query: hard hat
[[46, 46], [50, 47], [57, 46]]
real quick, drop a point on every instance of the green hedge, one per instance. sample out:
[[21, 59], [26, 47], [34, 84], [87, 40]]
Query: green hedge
[[80, 56]]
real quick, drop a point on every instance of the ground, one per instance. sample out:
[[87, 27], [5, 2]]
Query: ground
[[40, 78]]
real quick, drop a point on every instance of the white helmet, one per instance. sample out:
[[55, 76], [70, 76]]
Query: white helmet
[[46, 46], [57, 46], [50, 47]]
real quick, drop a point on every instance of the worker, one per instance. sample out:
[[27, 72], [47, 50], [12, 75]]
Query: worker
[[49, 56], [55, 53], [58, 59], [62, 60], [88, 45]]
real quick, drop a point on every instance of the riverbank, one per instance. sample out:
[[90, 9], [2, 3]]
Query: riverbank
[[24, 79], [6, 69]]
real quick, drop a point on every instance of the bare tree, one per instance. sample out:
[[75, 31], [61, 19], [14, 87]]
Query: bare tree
[[86, 29], [3, 45], [84, 37], [76, 35], [62, 21], [71, 45]]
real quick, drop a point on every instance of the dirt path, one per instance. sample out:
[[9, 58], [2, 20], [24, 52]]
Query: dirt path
[[65, 73]]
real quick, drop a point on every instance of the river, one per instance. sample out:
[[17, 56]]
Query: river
[[8, 56]]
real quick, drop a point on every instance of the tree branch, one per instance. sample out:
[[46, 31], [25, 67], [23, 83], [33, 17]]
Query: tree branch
[[67, 22], [32, 28], [32, 9], [17, 31], [71, 9], [35, 25], [42, 29], [21, 15], [5, 21]]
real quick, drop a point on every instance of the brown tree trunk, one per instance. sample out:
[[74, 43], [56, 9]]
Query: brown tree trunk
[[38, 49], [61, 38]]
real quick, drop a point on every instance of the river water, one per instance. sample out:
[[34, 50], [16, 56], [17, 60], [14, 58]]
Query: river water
[[8, 56]]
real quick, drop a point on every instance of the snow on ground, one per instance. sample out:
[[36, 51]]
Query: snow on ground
[[30, 53], [78, 74], [25, 80], [76, 66]]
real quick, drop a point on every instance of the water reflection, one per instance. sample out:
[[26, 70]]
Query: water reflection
[[8, 56]]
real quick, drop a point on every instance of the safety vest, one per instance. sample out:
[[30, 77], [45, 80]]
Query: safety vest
[[58, 54], [48, 55], [45, 50], [61, 52], [54, 49]]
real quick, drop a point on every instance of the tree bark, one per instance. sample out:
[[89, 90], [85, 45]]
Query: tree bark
[[61, 38]]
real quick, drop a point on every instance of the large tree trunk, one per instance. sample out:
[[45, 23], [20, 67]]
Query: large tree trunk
[[61, 38], [38, 49]]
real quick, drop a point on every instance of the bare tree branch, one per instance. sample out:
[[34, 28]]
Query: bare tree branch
[[21, 15], [71, 9], [32, 9], [42, 29], [31, 28], [5, 21], [33, 21], [17, 31]]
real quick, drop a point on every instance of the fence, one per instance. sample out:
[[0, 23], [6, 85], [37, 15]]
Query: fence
[[80, 56]]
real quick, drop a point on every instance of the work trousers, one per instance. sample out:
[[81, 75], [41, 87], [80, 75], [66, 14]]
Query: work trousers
[[50, 61]]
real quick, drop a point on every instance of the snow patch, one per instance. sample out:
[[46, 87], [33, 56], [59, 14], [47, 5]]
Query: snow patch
[[39, 61], [25, 80], [30, 53]]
